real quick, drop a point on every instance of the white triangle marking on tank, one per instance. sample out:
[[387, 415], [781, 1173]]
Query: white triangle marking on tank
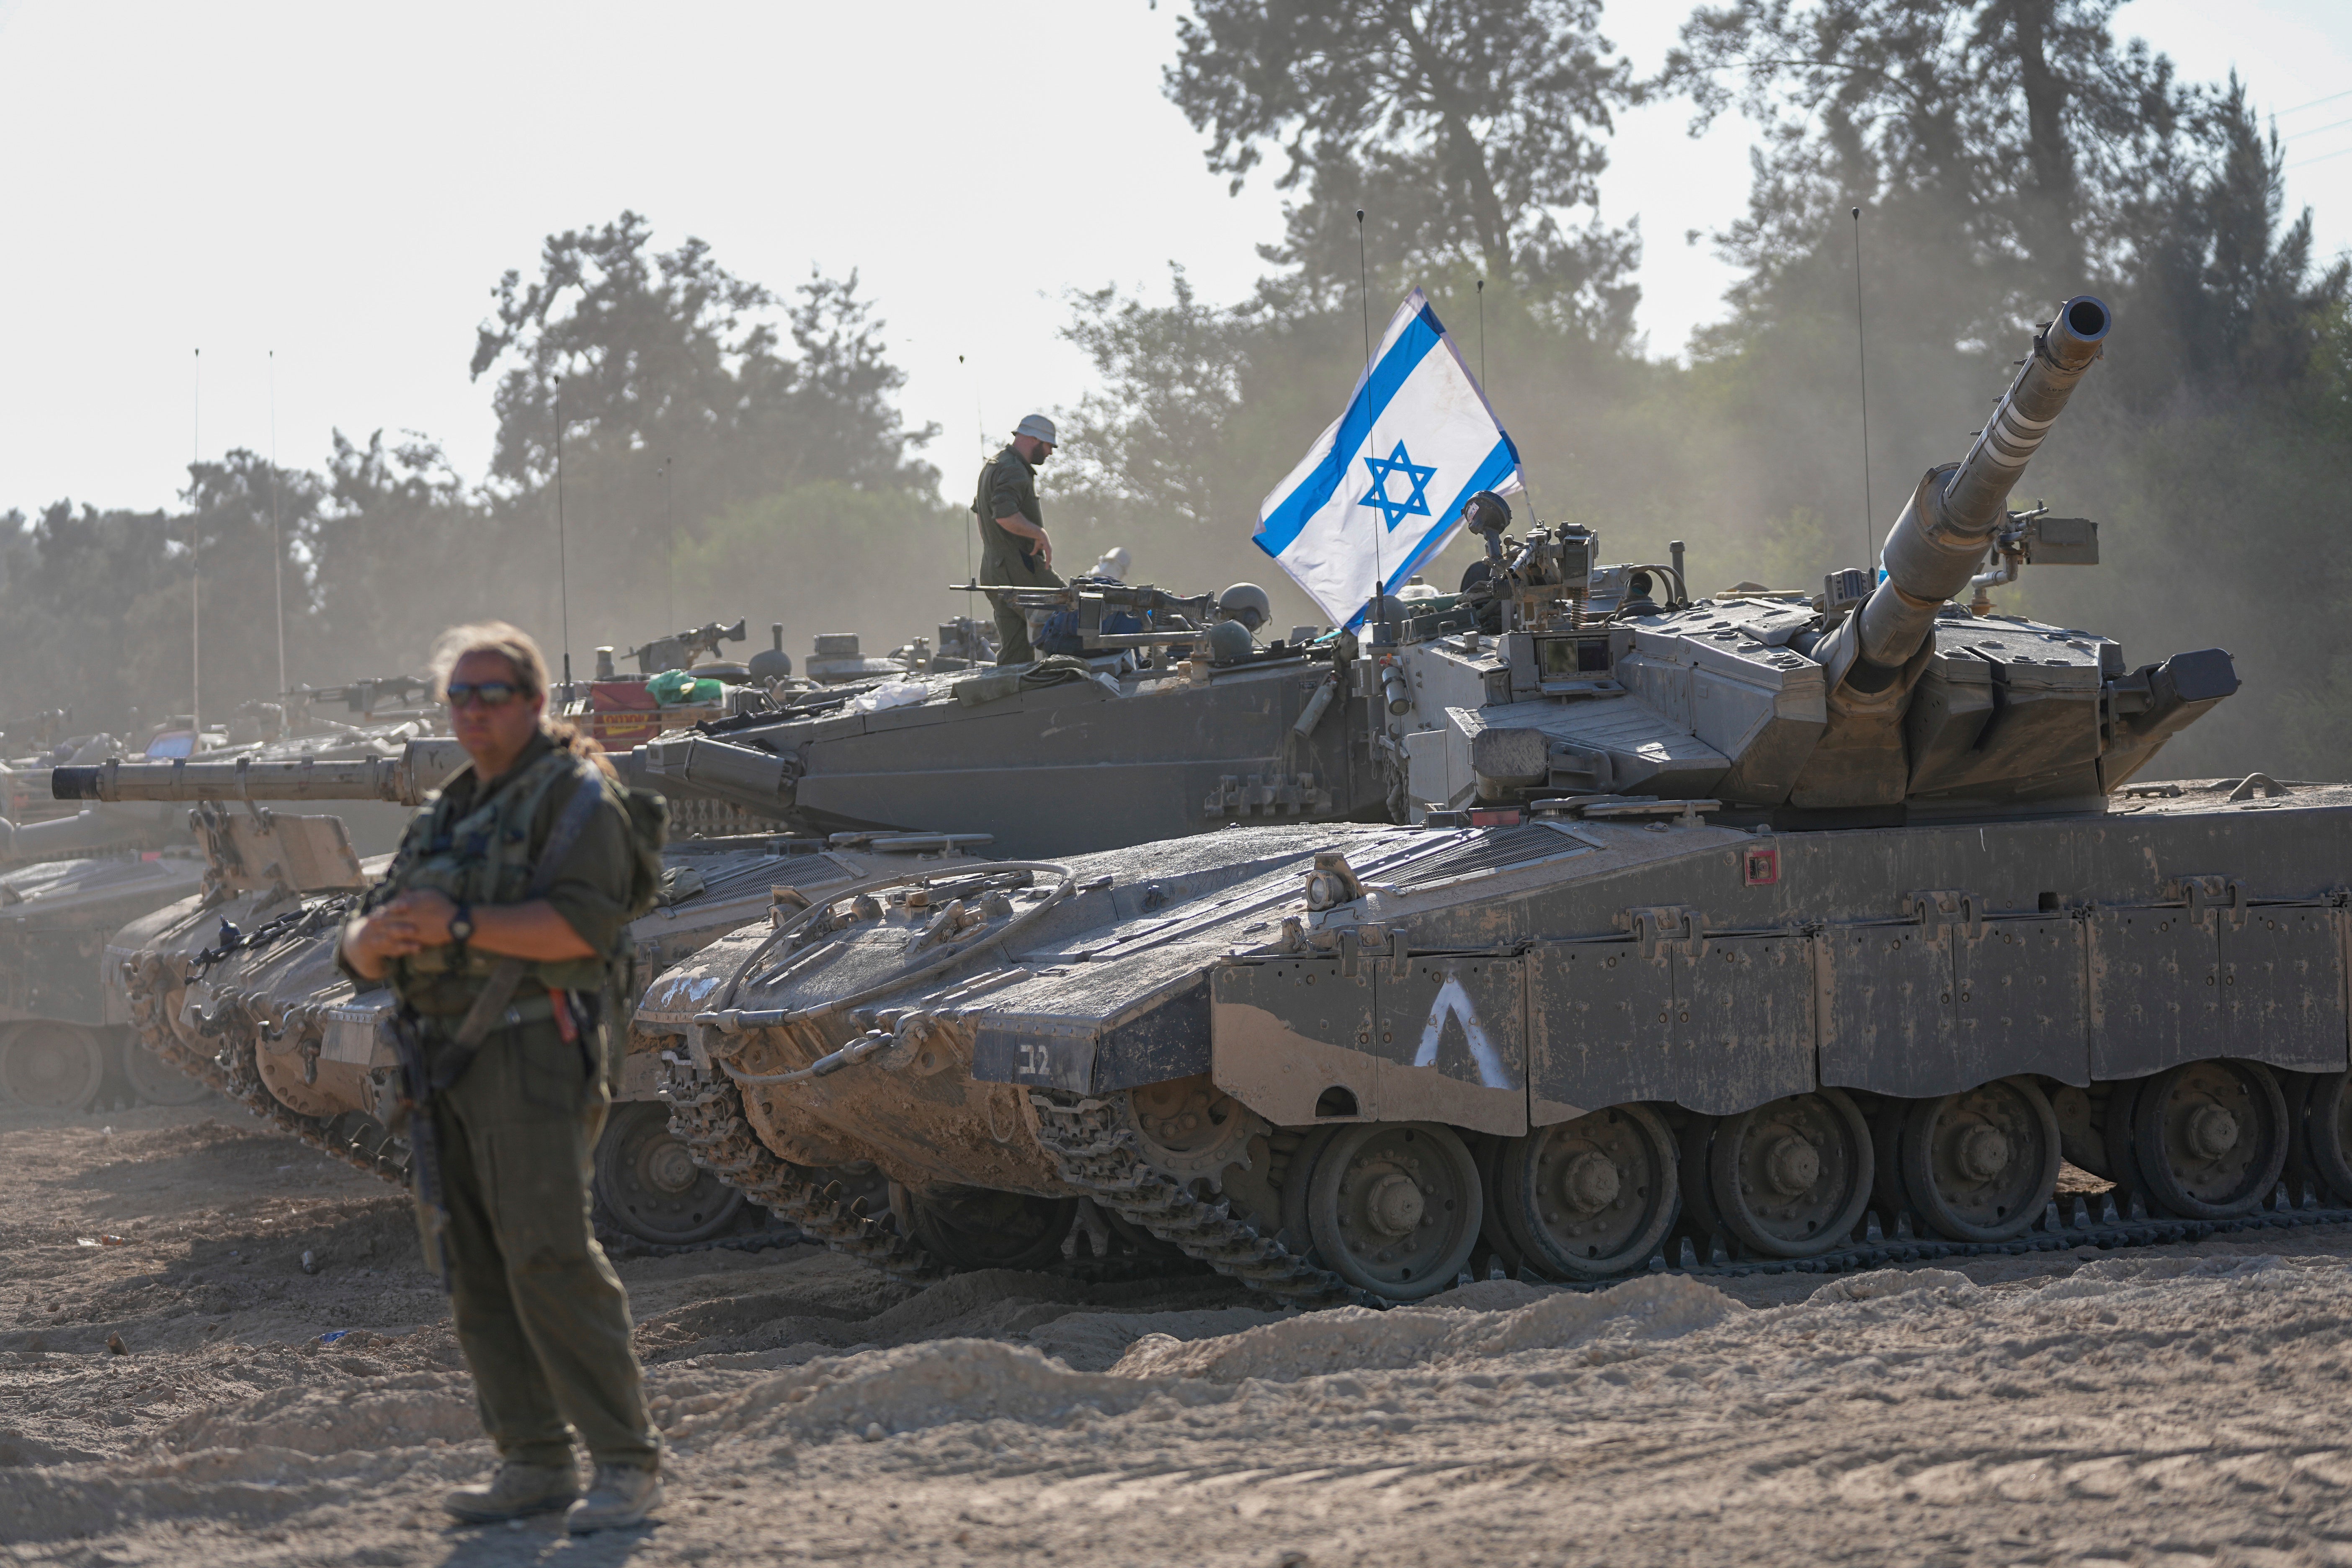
[[1454, 1002]]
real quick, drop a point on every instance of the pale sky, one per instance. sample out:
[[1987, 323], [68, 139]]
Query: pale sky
[[344, 184]]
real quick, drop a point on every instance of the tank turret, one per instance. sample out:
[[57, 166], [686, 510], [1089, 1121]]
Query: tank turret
[[1873, 703]]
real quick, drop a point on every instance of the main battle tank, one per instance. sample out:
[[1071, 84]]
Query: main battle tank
[[1155, 719], [236, 987], [85, 875], [1754, 932]]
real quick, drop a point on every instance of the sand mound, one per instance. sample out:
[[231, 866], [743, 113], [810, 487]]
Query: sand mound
[[1357, 1338], [382, 1413], [934, 1384]]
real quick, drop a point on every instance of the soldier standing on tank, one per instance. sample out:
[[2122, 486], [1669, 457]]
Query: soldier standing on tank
[[541, 1316], [1013, 550]]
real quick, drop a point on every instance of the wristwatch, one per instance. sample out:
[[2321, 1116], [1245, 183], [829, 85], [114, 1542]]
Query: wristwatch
[[461, 924]]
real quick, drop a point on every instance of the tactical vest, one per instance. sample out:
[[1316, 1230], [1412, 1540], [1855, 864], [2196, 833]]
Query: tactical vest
[[484, 857], [1009, 558]]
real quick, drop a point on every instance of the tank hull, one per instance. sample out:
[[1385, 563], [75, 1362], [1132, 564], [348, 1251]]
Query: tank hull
[[1759, 996]]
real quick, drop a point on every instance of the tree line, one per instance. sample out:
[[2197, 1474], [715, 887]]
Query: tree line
[[730, 450]]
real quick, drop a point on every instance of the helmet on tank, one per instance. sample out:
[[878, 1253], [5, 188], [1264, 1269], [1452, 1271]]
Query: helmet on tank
[[1245, 602], [1113, 564], [1229, 642]]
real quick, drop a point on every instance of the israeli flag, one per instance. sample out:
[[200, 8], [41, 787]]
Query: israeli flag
[[1383, 490]]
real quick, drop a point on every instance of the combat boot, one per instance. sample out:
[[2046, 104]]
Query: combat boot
[[517, 1489], [623, 1495]]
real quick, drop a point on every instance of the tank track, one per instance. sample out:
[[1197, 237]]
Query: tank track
[[709, 1117], [231, 1073], [2067, 1222], [1098, 1156]]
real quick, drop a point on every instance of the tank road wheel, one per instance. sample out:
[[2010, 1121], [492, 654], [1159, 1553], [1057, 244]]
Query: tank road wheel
[[1791, 1177], [1394, 1208], [2327, 1132], [150, 1080], [650, 1184], [2211, 1137], [1589, 1197], [1190, 1126], [979, 1227], [1980, 1166], [49, 1065]]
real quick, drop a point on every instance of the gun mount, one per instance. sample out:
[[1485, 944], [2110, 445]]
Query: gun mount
[[680, 650], [1097, 615]]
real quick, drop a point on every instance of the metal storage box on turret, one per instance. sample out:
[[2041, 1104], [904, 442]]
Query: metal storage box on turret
[[1765, 930]]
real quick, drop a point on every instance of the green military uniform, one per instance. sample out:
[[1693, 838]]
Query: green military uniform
[[541, 1316], [1008, 485]]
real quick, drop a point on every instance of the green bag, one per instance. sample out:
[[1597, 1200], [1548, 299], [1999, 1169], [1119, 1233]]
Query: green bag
[[675, 688]]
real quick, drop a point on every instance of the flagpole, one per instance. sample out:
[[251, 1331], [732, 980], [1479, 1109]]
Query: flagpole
[[1482, 333], [1364, 298], [1862, 373]]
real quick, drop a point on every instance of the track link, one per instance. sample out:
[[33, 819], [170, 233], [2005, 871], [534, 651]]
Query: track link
[[1098, 1156], [708, 1116], [231, 1071], [2067, 1222]]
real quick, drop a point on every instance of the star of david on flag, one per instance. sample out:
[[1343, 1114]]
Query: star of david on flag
[[1414, 505], [1350, 521]]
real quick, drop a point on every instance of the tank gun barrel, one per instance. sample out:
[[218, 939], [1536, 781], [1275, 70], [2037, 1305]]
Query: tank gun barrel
[[699, 768], [1938, 543], [406, 779]]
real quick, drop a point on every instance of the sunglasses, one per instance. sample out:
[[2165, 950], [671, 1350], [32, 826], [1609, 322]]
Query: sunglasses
[[488, 693]]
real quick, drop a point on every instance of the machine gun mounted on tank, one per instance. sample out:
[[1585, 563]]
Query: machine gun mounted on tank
[[679, 650], [369, 696]]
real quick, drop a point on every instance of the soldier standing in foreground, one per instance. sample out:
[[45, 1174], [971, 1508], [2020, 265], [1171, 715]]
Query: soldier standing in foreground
[[1013, 550], [499, 926]]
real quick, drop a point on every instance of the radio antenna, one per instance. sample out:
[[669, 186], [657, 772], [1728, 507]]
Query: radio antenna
[[669, 522], [277, 543], [562, 560], [980, 428], [195, 542], [1364, 298], [1862, 369], [1482, 332]]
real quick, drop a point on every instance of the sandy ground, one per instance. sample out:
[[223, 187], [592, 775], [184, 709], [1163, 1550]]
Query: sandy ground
[[2180, 1406]]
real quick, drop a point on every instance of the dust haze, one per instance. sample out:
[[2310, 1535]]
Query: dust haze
[[730, 446]]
